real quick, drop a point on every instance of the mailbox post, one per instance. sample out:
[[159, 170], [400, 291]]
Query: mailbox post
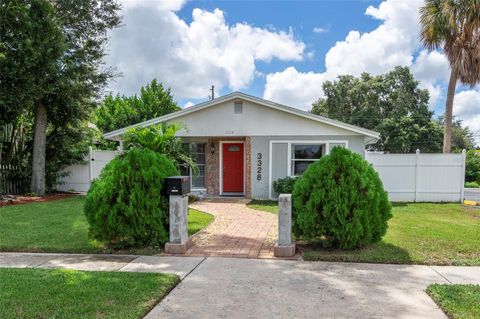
[[178, 188]]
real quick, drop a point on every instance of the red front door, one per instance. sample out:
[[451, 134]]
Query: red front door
[[232, 171]]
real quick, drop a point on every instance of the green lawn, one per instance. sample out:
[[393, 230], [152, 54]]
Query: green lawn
[[420, 233], [60, 226], [269, 206], [43, 293], [458, 301], [197, 221]]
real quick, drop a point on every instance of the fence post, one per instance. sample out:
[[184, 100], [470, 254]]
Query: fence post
[[284, 247], [462, 182], [417, 174]]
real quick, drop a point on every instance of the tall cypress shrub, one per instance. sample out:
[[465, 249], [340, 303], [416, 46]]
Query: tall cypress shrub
[[126, 206], [340, 200]]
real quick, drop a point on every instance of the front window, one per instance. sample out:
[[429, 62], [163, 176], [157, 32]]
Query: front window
[[305, 154], [198, 150]]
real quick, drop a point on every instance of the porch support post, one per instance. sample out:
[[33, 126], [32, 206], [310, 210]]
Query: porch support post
[[179, 241], [284, 247]]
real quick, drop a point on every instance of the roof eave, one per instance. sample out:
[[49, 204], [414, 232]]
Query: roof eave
[[281, 107]]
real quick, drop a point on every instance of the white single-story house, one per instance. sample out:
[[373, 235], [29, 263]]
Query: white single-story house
[[244, 143]]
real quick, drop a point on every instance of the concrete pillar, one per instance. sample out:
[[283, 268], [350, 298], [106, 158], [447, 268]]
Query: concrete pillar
[[179, 241], [284, 247]]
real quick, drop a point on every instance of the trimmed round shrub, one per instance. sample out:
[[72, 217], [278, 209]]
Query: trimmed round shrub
[[127, 205], [340, 201], [284, 185]]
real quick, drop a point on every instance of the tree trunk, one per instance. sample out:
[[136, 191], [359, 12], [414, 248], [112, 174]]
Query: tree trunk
[[447, 135], [39, 149]]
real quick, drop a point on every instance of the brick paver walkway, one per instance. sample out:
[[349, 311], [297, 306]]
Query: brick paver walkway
[[237, 231]]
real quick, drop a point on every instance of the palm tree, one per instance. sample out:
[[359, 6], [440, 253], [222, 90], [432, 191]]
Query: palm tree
[[454, 26], [161, 138]]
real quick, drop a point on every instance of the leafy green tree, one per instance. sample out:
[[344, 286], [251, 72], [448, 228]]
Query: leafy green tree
[[120, 111], [53, 66], [453, 26], [405, 135], [462, 136], [391, 104], [472, 169]]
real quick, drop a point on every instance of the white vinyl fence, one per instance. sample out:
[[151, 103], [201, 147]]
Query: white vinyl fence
[[80, 176], [406, 177], [421, 177]]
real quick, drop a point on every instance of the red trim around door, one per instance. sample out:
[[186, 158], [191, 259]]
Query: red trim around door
[[233, 167]]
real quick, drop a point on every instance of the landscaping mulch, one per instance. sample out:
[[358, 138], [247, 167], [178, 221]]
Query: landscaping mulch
[[16, 200]]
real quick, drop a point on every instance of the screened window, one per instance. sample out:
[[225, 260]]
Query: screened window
[[305, 154], [198, 152], [238, 107]]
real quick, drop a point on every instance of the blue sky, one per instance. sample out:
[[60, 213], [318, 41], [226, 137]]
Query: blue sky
[[278, 50], [332, 20]]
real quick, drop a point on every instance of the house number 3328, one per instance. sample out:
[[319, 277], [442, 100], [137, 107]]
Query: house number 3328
[[259, 166]]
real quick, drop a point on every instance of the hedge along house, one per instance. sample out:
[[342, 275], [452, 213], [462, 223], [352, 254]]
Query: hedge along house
[[243, 143]]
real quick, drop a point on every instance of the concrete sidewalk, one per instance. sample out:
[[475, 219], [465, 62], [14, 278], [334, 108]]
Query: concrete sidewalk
[[130, 263], [253, 288]]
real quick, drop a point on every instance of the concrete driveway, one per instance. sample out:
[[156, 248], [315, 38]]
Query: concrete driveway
[[472, 194], [236, 288], [255, 288]]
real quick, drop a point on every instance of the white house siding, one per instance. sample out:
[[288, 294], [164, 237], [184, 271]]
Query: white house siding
[[255, 120], [261, 188]]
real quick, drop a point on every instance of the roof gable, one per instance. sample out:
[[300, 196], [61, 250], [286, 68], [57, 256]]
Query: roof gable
[[262, 116]]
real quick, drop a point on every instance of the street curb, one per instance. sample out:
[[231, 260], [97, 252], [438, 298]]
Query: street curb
[[471, 203]]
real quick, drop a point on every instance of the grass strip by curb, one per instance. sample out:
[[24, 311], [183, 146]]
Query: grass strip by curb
[[457, 301], [60, 293]]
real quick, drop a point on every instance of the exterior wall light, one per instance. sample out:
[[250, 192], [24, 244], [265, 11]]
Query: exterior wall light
[[212, 148]]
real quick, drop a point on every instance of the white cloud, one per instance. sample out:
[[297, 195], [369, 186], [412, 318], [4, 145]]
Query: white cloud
[[188, 104], [466, 106], [294, 88], [156, 43], [320, 30], [392, 43], [378, 51], [432, 69]]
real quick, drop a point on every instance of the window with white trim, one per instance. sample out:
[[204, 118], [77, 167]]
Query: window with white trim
[[198, 153], [305, 154]]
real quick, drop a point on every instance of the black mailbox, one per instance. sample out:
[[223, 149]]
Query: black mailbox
[[178, 185]]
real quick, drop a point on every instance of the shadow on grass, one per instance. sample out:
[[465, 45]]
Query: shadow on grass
[[405, 204], [399, 204], [376, 253]]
